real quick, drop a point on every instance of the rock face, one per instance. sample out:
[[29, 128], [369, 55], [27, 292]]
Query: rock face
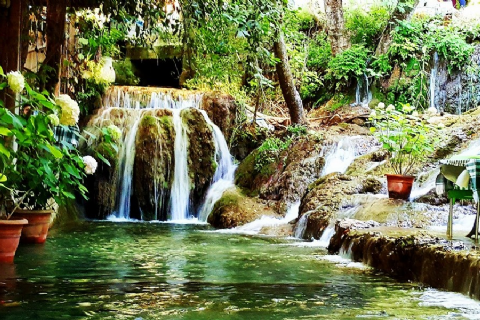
[[154, 164], [286, 179], [416, 257], [459, 90], [201, 156], [328, 195], [222, 110], [246, 139]]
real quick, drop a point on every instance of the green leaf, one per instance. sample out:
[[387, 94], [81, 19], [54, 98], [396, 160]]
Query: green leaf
[[103, 159], [3, 178], [55, 151], [4, 131], [4, 151]]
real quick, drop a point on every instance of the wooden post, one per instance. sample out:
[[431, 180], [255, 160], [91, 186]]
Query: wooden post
[[476, 221], [450, 220], [56, 17], [10, 44]]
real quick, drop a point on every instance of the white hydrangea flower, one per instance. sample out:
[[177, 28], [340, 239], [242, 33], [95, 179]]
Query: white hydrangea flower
[[16, 82], [114, 132], [391, 107], [441, 126], [70, 110], [373, 114], [90, 164], [415, 113], [54, 120], [107, 73], [381, 105], [432, 111]]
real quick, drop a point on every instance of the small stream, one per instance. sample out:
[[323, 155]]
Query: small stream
[[103, 270]]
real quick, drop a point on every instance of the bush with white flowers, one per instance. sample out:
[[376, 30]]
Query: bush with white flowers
[[90, 164], [408, 138], [16, 82], [70, 110]]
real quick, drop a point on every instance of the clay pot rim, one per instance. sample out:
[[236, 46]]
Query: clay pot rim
[[14, 222], [22, 211], [399, 175]]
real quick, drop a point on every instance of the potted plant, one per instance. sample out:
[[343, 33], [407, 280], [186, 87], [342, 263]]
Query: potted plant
[[45, 171], [408, 138], [10, 229]]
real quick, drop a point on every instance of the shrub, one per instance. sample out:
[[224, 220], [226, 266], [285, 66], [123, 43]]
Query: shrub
[[366, 26]]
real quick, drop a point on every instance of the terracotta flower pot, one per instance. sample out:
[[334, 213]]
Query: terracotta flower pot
[[399, 187], [10, 231], [38, 223]]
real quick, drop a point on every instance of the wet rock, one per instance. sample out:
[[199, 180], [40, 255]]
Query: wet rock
[[103, 184], [287, 178], [329, 195], [246, 139], [413, 256], [222, 110], [201, 156], [154, 165], [343, 228], [433, 199], [344, 114], [458, 91], [235, 209]]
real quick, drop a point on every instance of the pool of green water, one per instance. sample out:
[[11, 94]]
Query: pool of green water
[[100, 270]]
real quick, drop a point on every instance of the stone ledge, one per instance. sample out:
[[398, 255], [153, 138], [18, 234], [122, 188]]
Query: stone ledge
[[411, 255]]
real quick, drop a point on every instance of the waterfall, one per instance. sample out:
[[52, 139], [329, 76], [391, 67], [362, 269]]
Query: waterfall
[[126, 107], [363, 95], [127, 159], [301, 226], [224, 174], [339, 157], [181, 182], [433, 77]]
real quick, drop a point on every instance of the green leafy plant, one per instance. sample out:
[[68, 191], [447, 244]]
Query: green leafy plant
[[348, 65], [407, 137], [269, 152], [366, 26], [39, 168]]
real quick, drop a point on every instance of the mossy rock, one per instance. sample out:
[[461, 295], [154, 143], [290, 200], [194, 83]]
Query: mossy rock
[[235, 209], [154, 166], [201, 156]]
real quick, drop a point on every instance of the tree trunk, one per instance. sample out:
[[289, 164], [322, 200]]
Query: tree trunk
[[285, 77], [336, 26], [56, 17], [10, 24]]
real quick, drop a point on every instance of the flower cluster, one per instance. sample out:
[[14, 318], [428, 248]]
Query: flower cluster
[[70, 110], [90, 164], [16, 82], [101, 72], [114, 132], [96, 17], [54, 120]]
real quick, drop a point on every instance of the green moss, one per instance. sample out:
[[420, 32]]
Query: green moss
[[149, 121]]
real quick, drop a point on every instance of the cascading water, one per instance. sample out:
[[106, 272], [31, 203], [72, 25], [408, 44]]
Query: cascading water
[[433, 77], [224, 174], [181, 182], [126, 107], [363, 95], [339, 157]]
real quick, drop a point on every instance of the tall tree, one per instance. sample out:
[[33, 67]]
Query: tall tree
[[287, 83], [336, 26]]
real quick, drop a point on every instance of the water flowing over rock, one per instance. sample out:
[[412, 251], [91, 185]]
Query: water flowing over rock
[[410, 255], [459, 91], [154, 163], [169, 155]]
